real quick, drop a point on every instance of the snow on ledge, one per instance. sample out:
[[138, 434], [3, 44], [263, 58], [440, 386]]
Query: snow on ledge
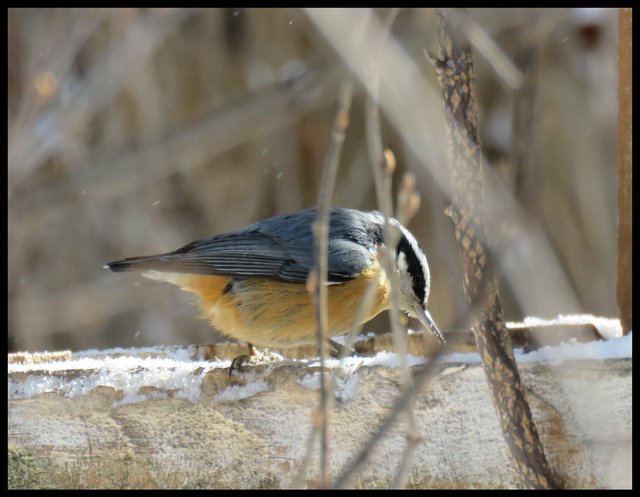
[[178, 373], [607, 327], [615, 348]]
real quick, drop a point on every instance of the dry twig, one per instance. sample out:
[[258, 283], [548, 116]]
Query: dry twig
[[318, 277], [405, 398]]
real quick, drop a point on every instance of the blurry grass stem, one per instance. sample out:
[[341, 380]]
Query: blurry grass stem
[[318, 277], [401, 403], [321, 241], [299, 480], [383, 165]]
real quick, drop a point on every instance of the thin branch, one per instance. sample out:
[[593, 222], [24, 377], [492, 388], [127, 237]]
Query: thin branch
[[318, 277], [400, 480], [317, 282], [385, 161], [391, 237], [408, 204], [306, 460], [405, 398]]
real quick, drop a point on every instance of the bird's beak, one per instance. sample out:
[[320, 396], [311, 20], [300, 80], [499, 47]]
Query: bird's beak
[[427, 321]]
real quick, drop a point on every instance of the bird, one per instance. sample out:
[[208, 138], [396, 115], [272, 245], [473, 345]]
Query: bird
[[251, 282]]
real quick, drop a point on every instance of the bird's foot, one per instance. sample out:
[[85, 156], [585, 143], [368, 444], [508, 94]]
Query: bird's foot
[[253, 358], [338, 350]]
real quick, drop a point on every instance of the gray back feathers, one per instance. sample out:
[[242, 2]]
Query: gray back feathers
[[279, 248]]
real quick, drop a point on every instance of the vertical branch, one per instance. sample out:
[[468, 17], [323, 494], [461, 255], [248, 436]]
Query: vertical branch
[[408, 205], [457, 79], [391, 238], [318, 276], [317, 281], [298, 480], [383, 166], [625, 87], [399, 406]]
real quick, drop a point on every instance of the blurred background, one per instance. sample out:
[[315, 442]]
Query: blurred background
[[136, 131]]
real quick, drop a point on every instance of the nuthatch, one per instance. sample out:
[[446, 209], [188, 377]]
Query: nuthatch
[[251, 282]]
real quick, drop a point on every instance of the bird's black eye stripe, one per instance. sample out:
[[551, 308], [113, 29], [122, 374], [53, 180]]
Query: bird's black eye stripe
[[413, 267]]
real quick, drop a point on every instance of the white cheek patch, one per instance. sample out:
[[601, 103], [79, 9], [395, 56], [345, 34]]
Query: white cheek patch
[[406, 282]]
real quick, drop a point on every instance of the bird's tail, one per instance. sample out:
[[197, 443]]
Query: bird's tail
[[146, 263]]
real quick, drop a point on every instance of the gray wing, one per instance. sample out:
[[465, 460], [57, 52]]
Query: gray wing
[[279, 248]]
